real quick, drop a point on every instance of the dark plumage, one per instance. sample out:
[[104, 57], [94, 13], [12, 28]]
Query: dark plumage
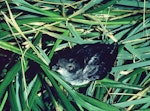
[[84, 63]]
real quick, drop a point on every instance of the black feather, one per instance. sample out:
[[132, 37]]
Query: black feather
[[84, 63]]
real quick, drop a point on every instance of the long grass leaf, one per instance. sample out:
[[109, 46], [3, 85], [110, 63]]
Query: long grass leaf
[[9, 77]]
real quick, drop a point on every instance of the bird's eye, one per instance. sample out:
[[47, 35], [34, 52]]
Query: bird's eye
[[70, 67]]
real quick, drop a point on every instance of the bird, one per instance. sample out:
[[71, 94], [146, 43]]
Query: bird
[[84, 63]]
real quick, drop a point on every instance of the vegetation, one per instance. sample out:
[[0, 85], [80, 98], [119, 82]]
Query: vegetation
[[31, 31]]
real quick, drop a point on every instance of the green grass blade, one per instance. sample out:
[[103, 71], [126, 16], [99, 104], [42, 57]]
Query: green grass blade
[[9, 77], [30, 8], [3, 101], [12, 99], [103, 6], [33, 94], [86, 7], [62, 97], [133, 102], [101, 105]]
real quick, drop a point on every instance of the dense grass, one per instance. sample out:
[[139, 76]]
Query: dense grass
[[31, 31]]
